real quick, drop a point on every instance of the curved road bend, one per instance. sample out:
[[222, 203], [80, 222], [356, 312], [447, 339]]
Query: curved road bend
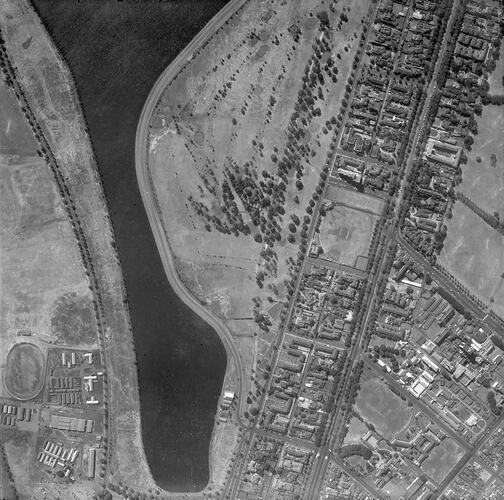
[[143, 176]]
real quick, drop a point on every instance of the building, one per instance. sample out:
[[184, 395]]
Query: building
[[65, 423], [91, 463]]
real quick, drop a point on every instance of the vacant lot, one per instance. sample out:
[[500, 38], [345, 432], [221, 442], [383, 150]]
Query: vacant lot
[[474, 253], [24, 371], [442, 459], [483, 176], [345, 234], [15, 135], [378, 405]]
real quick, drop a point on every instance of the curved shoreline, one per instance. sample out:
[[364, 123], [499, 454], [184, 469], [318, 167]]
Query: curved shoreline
[[145, 181]]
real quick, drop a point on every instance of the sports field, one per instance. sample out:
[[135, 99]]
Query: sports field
[[378, 405], [442, 459], [474, 253], [345, 234], [24, 371]]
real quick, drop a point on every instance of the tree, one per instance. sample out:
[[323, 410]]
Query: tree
[[496, 410]]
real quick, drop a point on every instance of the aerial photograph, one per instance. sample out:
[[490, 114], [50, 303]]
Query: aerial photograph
[[252, 249]]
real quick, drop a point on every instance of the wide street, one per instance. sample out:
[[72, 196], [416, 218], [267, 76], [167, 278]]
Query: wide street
[[391, 235]]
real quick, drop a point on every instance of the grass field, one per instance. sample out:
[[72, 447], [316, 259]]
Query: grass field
[[442, 459], [356, 430], [495, 80], [345, 234], [24, 371], [396, 487], [39, 257], [474, 253], [378, 405], [482, 182], [73, 320]]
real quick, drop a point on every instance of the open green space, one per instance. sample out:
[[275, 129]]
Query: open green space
[[356, 430], [483, 175], [474, 253], [39, 256], [442, 459], [24, 371], [379, 406], [396, 487], [228, 111], [73, 320], [345, 234]]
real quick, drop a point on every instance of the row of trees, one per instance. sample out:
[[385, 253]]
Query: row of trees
[[493, 220]]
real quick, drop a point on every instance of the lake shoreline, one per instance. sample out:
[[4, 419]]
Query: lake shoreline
[[153, 213]]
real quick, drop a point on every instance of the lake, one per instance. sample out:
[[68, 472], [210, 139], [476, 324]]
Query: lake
[[116, 50]]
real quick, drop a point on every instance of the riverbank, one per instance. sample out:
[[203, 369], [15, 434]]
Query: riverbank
[[49, 89]]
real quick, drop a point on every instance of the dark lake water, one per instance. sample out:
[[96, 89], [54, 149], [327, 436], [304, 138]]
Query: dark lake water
[[116, 50]]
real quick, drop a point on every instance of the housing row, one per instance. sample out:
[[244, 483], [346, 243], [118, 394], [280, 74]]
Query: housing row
[[325, 304], [463, 85], [275, 470], [384, 104], [301, 393], [12, 414]]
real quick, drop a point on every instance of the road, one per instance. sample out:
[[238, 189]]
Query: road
[[450, 287], [430, 91], [465, 460], [144, 183], [319, 471], [316, 478]]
